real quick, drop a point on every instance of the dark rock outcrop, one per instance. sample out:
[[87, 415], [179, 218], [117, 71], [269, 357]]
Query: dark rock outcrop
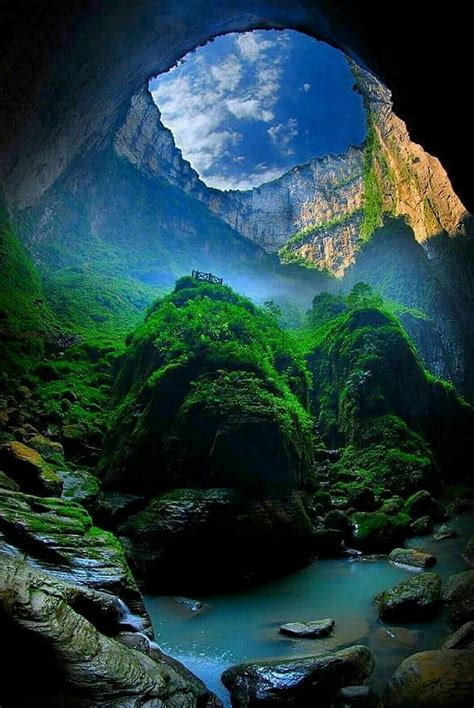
[[50, 623], [463, 638], [27, 467], [297, 682], [458, 593]]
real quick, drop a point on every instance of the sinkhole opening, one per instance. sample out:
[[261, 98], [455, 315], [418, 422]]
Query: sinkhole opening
[[247, 107]]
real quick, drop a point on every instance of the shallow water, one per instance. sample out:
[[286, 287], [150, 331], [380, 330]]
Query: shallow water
[[244, 626]]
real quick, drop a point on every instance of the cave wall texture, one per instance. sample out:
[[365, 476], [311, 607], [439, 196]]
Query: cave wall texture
[[69, 71]]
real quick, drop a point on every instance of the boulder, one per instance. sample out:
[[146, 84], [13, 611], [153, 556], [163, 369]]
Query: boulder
[[312, 629], [328, 542], [47, 448], [79, 486], [194, 607], [443, 532], [378, 532], [458, 593], [422, 526], [70, 661], [363, 696], [114, 508], [361, 498], [201, 539], [413, 599], [422, 503], [433, 679], [468, 554], [463, 638], [299, 682], [26, 467], [392, 505], [339, 520], [412, 557]]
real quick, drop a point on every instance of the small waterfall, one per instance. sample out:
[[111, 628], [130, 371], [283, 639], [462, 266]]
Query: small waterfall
[[126, 618]]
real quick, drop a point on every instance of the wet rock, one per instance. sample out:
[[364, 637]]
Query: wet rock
[[422, 526], [443, 532], [47, 448], [356, 696], [433, 679], [412, 557], [27, 467], [196, 607], [302, 682], [468, 554], [422, 503], [313, 629], [463, 638], [387, 638], [339, 520], [413, 599], [60, 538], [79, 486], [114, 508], [378, 532], [328, 542], [458, 593], [84, 667]]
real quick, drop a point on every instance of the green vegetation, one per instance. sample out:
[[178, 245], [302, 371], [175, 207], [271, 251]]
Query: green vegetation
[[288, 252], [373, 196], [206, 363]]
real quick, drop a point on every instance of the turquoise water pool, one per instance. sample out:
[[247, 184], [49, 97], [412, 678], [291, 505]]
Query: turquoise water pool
[[244, 626]]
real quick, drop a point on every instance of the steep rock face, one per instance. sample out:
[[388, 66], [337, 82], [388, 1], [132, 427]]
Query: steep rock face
[[411, 182]]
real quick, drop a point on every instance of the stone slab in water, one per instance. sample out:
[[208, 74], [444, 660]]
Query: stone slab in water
[[412, 557], [314, 629]]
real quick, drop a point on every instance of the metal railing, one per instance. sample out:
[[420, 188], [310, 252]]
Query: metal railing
[[207, 277]]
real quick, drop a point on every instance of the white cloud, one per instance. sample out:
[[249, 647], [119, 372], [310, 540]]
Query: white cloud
[[257, 177], [282, 135], [202, 103], [306, 87]]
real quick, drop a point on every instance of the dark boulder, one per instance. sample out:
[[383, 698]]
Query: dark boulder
[[299, 683], [422, 503], [458, 593], [412, 557], [463, 638], [377, 532], [28, 469], [422, 526]]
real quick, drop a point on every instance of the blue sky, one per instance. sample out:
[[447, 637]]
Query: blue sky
[[247, 107]]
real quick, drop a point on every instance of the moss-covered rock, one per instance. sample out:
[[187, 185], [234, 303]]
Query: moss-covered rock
[[61, 539], [422, 526], [378, 532], [195, 539], [27, 467], [412, 557], [48, 449], [392, 505], [413, 599], [8, 483], [422, 503], [79, 486], [210, 393]]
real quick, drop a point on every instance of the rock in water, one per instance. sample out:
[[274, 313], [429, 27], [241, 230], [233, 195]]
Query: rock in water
[[468, 554], [422, 503], [413, 599], [443, 532], [49, 625], [362, 696], [314, 629], [433, 679], [463, 638], [299, 683], [412, 557], [458, 593]]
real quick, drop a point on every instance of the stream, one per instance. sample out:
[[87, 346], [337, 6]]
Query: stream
[[244, 626]]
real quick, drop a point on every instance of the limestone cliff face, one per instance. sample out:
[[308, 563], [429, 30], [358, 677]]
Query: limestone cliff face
[[411, 182], [318, 212]]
